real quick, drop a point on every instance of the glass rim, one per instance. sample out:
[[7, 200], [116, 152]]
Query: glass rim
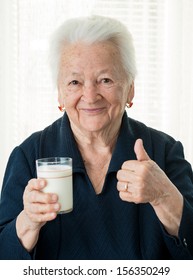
[[53, 160]]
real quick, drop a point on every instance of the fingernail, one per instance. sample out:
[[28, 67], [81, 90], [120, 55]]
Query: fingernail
[[42, 183], [56, 206], [53, 215], [54, 197]]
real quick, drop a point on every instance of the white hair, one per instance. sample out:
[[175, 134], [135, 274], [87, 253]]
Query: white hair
[[91, 30]]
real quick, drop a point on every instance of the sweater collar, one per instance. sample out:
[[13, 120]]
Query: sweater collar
[[124, 148]]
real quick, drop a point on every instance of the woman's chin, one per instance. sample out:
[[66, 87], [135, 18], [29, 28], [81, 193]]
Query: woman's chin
[[93, 128], [93, 123]]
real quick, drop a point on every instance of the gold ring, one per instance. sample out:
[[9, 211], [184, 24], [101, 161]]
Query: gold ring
[[126, 187]]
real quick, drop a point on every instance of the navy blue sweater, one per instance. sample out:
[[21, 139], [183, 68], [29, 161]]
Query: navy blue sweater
[[100, 226]]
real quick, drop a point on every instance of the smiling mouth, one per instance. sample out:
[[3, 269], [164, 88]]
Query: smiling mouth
[[93, 111]]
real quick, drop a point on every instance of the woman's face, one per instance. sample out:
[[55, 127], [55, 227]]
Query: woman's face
[[92, 86]]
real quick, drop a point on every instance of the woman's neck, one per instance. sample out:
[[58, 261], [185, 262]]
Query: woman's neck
[[96, 149], [97, 140]]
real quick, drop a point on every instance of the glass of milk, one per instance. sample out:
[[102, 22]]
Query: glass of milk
[[58, 173]]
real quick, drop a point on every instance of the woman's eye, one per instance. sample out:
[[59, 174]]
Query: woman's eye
[[74, 82], [106, 80]]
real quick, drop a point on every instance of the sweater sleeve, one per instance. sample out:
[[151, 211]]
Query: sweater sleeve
[[17, 175], [180, 173], [10, 246]]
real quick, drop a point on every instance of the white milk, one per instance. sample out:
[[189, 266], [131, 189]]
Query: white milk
[[59, 181]]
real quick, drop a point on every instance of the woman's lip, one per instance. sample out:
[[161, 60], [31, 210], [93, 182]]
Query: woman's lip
[[93, 110]]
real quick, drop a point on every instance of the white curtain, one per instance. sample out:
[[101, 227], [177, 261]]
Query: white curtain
[[163, 38]]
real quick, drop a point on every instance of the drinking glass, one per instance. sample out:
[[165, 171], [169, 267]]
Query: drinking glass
[[58, 173]]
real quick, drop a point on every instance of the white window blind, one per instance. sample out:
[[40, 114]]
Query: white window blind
[[162, 32]]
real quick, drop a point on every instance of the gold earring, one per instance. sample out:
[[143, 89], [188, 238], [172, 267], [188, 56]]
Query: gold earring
[[62, 109], [129, 105]]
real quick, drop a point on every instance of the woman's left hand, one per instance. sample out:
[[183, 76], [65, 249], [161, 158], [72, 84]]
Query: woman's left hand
[[143, 181]]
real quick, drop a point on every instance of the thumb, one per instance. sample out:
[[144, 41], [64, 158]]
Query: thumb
[[140, 152]]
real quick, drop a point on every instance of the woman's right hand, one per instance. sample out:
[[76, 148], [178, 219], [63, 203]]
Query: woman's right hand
[[39, 207]]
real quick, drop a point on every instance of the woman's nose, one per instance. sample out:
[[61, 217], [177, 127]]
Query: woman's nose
[[91, 92]]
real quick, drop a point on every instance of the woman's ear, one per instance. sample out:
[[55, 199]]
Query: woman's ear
[[60, 97], [131, 92]]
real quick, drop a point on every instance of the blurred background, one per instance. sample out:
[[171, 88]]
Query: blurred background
[[163, 37]]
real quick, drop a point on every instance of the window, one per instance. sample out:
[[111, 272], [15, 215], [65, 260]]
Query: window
[[163, 38]]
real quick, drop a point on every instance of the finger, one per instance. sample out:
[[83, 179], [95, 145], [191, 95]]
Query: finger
[[131, 197], [140, 152], [41, 197], [132, 166], [42, 217], [33, 192], [126, 175], [126, 196], [36, 184], [38, 212], [122, 186], [42, 208]]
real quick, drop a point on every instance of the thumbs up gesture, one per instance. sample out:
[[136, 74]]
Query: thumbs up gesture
[[141, 180]]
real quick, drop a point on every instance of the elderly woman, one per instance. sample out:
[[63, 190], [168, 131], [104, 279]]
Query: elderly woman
[[133, 189]]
